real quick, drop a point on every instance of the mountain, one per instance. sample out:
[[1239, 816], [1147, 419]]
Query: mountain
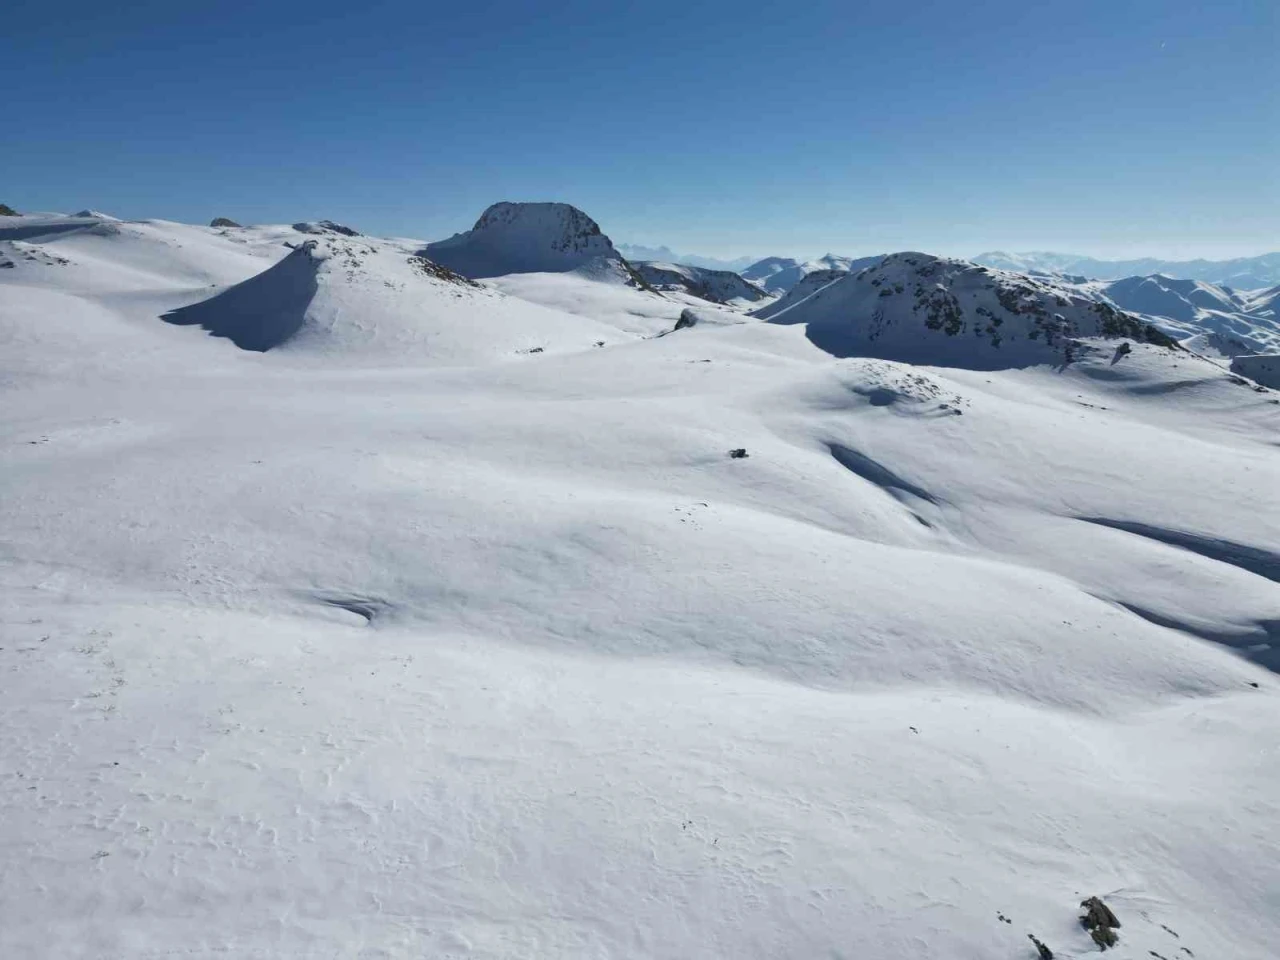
[[1209, 318], [635, 251], [407, 637], [780, 274], [529, 238], [1242, 273], [918, 308], [717, 286]]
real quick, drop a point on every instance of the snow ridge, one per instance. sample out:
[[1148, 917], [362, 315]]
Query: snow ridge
[[717, 286]]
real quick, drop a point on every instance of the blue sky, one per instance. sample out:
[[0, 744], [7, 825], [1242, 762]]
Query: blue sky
[[1116, 128]]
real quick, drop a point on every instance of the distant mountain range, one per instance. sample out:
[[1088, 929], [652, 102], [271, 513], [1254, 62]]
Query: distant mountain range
[[1242, 273], [636, 251]]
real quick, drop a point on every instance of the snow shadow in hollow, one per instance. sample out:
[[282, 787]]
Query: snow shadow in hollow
[[1255, 560], [1262, 646], [370, 608], [263, 311], [877, 473]]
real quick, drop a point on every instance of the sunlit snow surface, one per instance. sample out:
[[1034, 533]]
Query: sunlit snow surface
[[438, 630]]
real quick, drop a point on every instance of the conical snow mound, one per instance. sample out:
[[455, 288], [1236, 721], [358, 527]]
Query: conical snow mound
[[918, 308], [527, 238], [360, 299]]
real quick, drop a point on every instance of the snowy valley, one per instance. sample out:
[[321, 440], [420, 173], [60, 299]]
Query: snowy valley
[[501, 597]]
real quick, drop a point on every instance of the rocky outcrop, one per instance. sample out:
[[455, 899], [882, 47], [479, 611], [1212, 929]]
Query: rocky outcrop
[[325, 226], [530, 238]]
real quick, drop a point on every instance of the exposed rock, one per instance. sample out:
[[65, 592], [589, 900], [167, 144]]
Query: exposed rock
[[1100, 922], [8, 211], [738, 453], [716, 286], [222, 222], [325, 226], [1044, 952], [433, 269], [687, 319], [532, 238]]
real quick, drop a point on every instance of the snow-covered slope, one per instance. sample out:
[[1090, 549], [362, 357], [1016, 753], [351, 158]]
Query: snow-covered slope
[[810, 284], [368, 300], [717, 286], [310, 652], [780, 274], [1262, 368], [529, 238], [1242, 273], [924, 309]]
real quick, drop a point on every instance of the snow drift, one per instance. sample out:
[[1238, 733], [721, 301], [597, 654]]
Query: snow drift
[[372, 300], [262, 312]]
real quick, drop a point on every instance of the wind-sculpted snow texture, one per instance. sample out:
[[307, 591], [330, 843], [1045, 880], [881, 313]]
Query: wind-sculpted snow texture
[[923, 309], [486, 619]]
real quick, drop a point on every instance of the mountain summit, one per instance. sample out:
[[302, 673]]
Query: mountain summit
[[528, 238]]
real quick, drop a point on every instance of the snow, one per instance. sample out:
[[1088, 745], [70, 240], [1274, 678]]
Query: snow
[[394, 640]]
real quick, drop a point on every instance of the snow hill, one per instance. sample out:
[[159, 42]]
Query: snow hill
[[780, 274], [404, 638], [717, 286], [809, 284], [919, 308], [1242, 273], [529, 238]]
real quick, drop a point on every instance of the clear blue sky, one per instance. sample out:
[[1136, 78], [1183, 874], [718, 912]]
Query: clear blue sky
[[1108, 128]]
